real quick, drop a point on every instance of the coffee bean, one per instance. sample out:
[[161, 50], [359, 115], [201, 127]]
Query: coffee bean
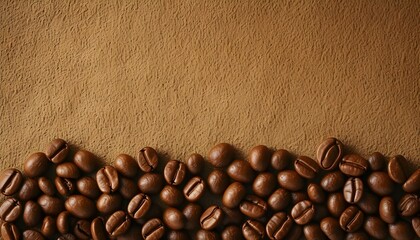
[[353, 190], [88, 187], [195, 163], [253, 206], [232, 232], [65, 222], [67, 170], [336, 204], [369, 203], [64, 186], [329, 153], [128, 188], [359, 235], [313, 231], [177, 235], [10, 210], [299, 196], [295, 232], [315, 193], [32, 235], [82, 230], [192, 213], [49, 228], [306, 167], [32, 214], [126, 165], [36, 165], [153, 229], [46, 186], [9, 231], [86, 161], [413, 182], [259, 158], [401, 231], [67, 236], [206, 235], [80, 206], [221, 155], [375, 227], [233, 195], [109, 203], [280, 159], [331, 228], [241, 171], [29, 190], [388, 210], [171, 196], [173, 218], [10, 181], [147, 159], [396, 169], [150, 183], [139, 205], [351, 219], [217, 181], [415, 222], [97, 229], [279, 226], [211, 217], [107, 179], [303, 212], [333, 181], [117, 224], [279, 199], [409, 205], [57, 150], [264, 184], [253, 229], [376, 161], [290, 180], [353, 165], [380, 183], [194, 189], [174, 172]]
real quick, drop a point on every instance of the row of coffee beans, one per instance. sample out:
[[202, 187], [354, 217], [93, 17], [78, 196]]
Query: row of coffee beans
[[65, 194]]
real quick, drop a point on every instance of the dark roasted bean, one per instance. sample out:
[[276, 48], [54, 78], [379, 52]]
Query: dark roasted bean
[[171, 196], [306, 167], [139, 205], [413, 182], [150, 183], [211, 217], [279, 199], [351, 219], [82, 230], [195, 163], [375, 227], [331, 228], [36, 165], [153, 229], [10, 181], [29, 190], [329, 153], [57, 150], [264, 184], [67, 170], [217, 181], [173, 218], [253, 206], [117, 224], [49, 227], [86, 161], [290, 180], [388, 210], [315, 193], [10, 210], [126, 165], [233, 195], [97, 229], [303, 212], [353, 165], [333, 181], [109, 203], [221, 155], [87, 186], [280, 159], [279, 226], [80, 206], [147, 159], [174, 172], [241, 171], [64, 186], [194, 189], [107, 179], [353, 190], [401, 231], [32, 214], [259, 158], [396, 169], [9, 231], [376, 161], [46, 186], [253, 230], [409, 205]]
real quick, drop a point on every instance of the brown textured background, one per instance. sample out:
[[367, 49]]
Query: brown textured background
[[113, 76]]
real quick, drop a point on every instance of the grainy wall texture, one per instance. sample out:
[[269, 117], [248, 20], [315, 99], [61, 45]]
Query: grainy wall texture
[[180, 76]]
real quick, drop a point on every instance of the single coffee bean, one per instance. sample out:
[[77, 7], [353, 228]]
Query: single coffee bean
[[259, 158], [351, 219], [9, 231], [369, 203], [57, 150], [194, 189], [401, 231], [413, 182], [29, 190], [298, 197], [353, 190], [221, 155], [253, 229], [232, 232], [171, 196], [359, 235], [331, 228], [153, 229], [109, 203], [375, 227], [150, 183], [46, 186], [303, 212], [353, 165], [306, 167], [280, 159], [376, 161], [279, 226], [49, 227], [380, 183], [233, 195], [313, 231], [264, 184], [232, 216], [409, 205], [415, 222], [329, 153], [241, 171], [32, 214], [65, 222], [177, 235], [315, 193], [290, 180], [80, 206], [174, 172], [211, 217], [173, 218], [128, 188], [206, 235], [192, 213], [195, 163], [388, 210], [126, 165], [107, 179], [279, 199], [253, 206], [10, 181], [139, 205], [67, 236], [32, 235], [336, 204], [67, 170], [147, 159], [97, 229], [86, 161], [333, 181], [36, 165], [82, 230], [118, 223], [10, 210], [217, 181], [88, 187], [396, 169], [64, 186]]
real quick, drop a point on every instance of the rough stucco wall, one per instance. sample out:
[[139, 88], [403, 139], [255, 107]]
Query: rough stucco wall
[[113, 76]]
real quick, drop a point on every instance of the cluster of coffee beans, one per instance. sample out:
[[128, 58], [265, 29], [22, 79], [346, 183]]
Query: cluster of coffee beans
[[64, 193]]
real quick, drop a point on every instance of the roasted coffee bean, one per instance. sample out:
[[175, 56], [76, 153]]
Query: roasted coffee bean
[[232, 216], [217, 181], [9, 231], [375, 227], [376, 161], [315, 193], [401, 231], [195, 163], [259, 158], [290, 180], [332, 229], [233, 195], [415, 222], [67, 236], [10, 210], [194, 189], [174, 172], [295, 232], [329, 153], [232, 232], [211, 217], [409, 205], [57, 150], [253, 206], [118, 223], [10, 181], [64, 186], [353, 165], [153, 229], [388, 210], [279, 199], [87, 186], [139, 205], [241, 171], [173, 218], [279, 226], [333, 181], [353, 190], [126, 165], [369, 203], [97, 229], [253, 229], [147, 159], [46, 186], [313, 231], [32, 214], [150, 183], [192, 213], [177, 235], [32, 235], [206, 235], [128, 188], [29, 190], [49, 227], [82, 230], [109, 203], [303, 212], [67, 170], [65, 222], [264, 184], [221, 155], [380, 183], [336, 204], [86, 161], [171, 196], [80, 206], [36, 165], [359, 235], [107, 179], [298, 197], [396, 169], [351, 219], [413, 182], [280, 159], [306, 167]]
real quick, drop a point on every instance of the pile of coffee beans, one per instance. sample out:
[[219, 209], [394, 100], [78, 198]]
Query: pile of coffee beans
[[67, 193]]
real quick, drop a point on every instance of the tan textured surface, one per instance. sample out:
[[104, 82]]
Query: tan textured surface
[[112, 76]]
